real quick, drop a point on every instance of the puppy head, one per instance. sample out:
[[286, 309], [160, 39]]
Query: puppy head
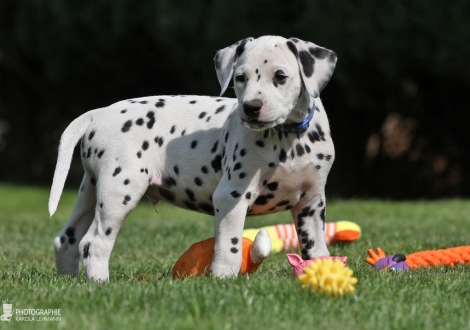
[[272, 76]]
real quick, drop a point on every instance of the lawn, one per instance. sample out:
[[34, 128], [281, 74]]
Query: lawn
[[151, 240]]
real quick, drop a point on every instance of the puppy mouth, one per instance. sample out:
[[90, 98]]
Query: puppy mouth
[[257, 125]]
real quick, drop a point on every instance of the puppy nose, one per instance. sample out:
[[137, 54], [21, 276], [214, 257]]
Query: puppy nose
[[253, 108]]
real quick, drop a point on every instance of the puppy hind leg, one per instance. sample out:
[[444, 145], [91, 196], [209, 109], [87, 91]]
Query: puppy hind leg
[[66, 242], [114, 203]]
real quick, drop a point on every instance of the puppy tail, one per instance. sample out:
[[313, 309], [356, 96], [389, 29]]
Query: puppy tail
[[69, 139]]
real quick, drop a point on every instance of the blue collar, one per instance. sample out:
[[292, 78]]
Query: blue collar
[[297, 128]]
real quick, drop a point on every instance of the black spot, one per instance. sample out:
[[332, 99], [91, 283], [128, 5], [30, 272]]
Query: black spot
[[193, 144], [292, 153], [322, 214], [86, 250], [124, 111], [305, 254], [206, 207], [176, 169], [101, 205], [300, 222], [220, 109], [256, 71], [248, 195], [139, 154], [184, 131], [328, 157], [208, 118], [168, 182], [234, 250], [214, 148], [317, 167], [260, 143], [160, 103], [242, 152], [172, 130], [117, 170], [151, 117], [307, 62], [300, 150], [322, 53], [159, 140], [307, 148], [92, 134], [235, 194], [201, 115], [127, 198], [62, 239], [190, 194], [240, 49], [88, 154], [310, 244], [265, 133], [282, 156], [192, 102], [101, 153], [198, 181], [263, 199], [226, 137], [146, 171], [237, 166], [234, 240], [320, 204], [93, 181], [190, 205], [272, 186], [242, 175], [288, 207], [271, 164], [126, 182], [282, 203], [303, 194], [217, 163], [127, 126], [320, 156], [141, 170], [139, 121], [108, 231], [292, 48], [166, 194], [265, 61], [143, 102], [204, 169]]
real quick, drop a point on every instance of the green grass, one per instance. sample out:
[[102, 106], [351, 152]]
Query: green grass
[[150, 242]]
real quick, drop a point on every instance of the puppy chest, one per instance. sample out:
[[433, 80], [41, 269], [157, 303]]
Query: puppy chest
[[284, 187]]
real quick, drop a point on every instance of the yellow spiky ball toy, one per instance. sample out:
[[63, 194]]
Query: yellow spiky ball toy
[[328, 276]]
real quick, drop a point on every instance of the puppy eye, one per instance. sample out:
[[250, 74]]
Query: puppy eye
[[240, 78], [280, 77]]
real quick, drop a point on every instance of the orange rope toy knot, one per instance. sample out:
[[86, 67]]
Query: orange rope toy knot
[[444, 257]]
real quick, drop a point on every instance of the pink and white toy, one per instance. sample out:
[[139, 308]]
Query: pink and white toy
[[299, 264]]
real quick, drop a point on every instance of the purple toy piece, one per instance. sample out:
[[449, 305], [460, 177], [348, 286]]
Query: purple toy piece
[[299, 264], [392, 262]]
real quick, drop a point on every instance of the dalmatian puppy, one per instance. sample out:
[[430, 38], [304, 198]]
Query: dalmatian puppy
[[266, 151]]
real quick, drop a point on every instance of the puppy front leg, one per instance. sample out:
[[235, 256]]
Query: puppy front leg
[[230, 212]]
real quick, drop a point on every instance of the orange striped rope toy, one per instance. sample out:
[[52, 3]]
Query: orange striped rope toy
[[430, 258]]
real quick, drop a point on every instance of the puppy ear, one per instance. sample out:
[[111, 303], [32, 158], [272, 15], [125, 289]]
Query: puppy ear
[[224, 60], [316, 64]]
